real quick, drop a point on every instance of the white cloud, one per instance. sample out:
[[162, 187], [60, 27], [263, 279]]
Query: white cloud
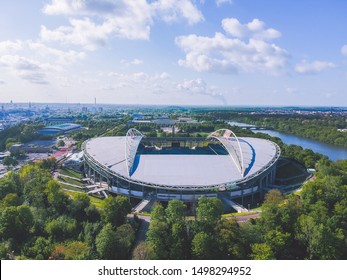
[[87, 7], [160, 83], [62, 57], [221, 2], [314, 67], [254, 29], [10, 46], [102, 19], [173, 10], [2, 82], [32, 61], [27, 69], [230, 55], [198, 86], [141, 80], [344, 50], [126, 19], [81, 32], [135, 61]]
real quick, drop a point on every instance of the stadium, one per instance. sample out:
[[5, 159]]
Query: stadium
[[185, 168], [62, 128]]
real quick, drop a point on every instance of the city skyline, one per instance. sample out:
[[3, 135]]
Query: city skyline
[[218, 52]]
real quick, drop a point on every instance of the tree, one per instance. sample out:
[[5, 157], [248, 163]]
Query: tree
[[228, 236], [204, 246], [11, 199], [175, 211], [74, 250], [16, 222], [57, 199], [179, 242], [106, 243], [78, 206], [116, 209], [34, 181], [61, 228], [7, 186], [42, 248], [274, 196], [278, 241], [8, 161], [9, 224], [125, 237], [61, 143], [158, 213], [158, 238], [321, 242], [90, 231], [143, 252], [262, 252], [48, 163], [209, 212]]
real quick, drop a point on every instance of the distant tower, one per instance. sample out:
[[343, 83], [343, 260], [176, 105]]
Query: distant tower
[[29, 105], [95, 101]]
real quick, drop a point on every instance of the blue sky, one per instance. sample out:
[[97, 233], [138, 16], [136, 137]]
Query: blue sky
[[184, 52]]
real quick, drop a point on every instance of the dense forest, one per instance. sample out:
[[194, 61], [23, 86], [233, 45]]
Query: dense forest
[[39, 221], [311, 224]]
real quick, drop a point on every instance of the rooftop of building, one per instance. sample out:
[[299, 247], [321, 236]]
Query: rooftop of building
[[180, 168]]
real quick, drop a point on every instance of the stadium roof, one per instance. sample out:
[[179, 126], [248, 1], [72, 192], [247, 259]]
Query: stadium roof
[[181, 169], [59, 128]]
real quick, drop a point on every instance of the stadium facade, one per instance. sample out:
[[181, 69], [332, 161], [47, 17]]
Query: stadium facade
[[63, 128], [183, 168]]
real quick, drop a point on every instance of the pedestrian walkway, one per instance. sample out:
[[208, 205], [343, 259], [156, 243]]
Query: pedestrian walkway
[[237, 207], [139, 207]]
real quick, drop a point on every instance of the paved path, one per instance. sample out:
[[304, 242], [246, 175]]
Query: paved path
[[242, 219], [141, 234]]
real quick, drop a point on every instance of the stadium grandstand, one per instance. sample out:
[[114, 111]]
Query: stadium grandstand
[[185, 168], [63, 128]]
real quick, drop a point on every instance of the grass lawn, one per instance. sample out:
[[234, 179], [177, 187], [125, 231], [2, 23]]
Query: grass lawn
[[68, 187], [99, 203], [71, 181], [238, 214], [70, 172]]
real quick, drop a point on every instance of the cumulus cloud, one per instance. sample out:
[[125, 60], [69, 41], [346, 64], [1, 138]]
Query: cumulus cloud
[[102, 19], [173, 10], [61, 57], [198, 86], [28, 59], [27, 69], [344, 50], [230, 55], [85, 7], [10, 46], [314, 67], [254, 29]]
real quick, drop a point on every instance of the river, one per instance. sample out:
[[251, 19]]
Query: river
[[333, 152]]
